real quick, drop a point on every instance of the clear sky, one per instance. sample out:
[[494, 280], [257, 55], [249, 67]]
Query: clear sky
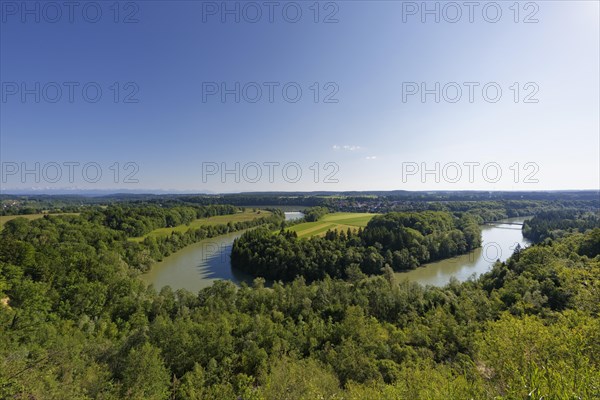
[[168, 114]]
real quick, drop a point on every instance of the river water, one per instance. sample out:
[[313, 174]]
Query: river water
[[199, 265], [498, 242]]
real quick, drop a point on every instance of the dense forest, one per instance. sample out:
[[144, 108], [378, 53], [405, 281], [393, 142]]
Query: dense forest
[[489, 205], [554, 224], [76, 322], [314, 213], [399, 241], [126, 222], [137, 220]]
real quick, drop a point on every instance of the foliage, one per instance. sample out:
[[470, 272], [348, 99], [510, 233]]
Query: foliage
[[79, 324], [315, 213], [554, 224], [399, 240]]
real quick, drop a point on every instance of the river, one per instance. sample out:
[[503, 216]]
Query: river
[[498, 242], [199, 265]]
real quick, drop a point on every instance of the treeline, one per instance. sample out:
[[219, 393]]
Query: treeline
[[138, 256], [553, 224], [137, 220], [487, 211], [156, 248], [489, 206], [492, 207], [315, 213], [21, 205], [76, 324], [401, 241]]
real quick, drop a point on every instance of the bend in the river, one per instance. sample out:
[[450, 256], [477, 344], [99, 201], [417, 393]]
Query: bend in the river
[[199, 265]]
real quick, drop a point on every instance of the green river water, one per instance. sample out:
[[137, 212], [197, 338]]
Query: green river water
[[199, 265]]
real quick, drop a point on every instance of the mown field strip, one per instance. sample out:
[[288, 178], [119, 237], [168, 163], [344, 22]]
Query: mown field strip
[[247, 215], [335, 221]]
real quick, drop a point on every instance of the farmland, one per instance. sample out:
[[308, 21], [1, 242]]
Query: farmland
[[5, 218], [335, 221], [246, 215]]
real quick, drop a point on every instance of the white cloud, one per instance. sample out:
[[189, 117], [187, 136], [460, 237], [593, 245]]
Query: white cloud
[[371, 158], [346, 147]]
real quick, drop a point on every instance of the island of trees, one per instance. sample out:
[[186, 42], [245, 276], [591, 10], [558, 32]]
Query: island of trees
[[399, 241]]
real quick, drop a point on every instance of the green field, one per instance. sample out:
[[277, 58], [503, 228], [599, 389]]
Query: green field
[[247, 215], [5, 218], [335, 221]]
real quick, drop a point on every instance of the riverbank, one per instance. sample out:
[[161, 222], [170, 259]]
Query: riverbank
[[198, 265], [498, 243]]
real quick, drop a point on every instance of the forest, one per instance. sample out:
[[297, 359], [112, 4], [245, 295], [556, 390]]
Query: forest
[[553, 224], [76, 322], [490, 205], [399, 241]]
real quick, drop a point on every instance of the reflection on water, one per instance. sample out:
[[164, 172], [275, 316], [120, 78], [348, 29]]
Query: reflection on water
[[293, 215], [499, 242], [197, 266]]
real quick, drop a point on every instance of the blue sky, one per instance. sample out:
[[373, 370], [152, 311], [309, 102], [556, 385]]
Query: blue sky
[[361, 132]]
